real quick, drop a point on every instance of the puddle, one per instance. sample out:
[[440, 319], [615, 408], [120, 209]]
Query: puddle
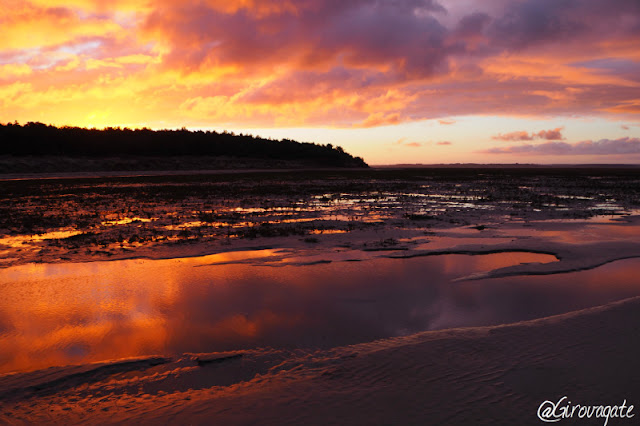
[[439, 243], [125, 221], [20, 240], [565, 233], [328, 231], [70, 313]]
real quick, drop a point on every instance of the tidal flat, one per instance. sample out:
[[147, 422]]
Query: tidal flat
[[441, 294], [89, 218]]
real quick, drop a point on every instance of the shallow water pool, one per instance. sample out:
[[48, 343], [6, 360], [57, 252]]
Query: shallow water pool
[[68, 313]]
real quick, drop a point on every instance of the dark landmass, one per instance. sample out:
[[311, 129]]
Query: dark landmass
[[37, 147], [505, 166]]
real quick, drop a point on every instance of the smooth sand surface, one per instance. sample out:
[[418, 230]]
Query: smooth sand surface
[[483, 375]]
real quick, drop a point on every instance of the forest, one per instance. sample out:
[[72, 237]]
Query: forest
[[35, 139]]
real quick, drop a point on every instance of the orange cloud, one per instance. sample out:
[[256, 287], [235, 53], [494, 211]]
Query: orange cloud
[[14, 70], [30, 26], [316, 62]]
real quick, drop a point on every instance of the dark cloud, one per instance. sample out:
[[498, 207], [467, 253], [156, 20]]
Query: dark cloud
[[531, 22], [360, 33], [321, 49], [472, 25]]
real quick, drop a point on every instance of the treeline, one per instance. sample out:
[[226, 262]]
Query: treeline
[[38, 139]]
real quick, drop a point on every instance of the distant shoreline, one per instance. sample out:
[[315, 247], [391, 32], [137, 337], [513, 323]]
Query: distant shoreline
[[55, 167], [152, 173], [501, 166], [62, 165]]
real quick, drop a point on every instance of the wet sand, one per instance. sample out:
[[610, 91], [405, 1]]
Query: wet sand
[[485, 375], [493, 374], [103, 218]]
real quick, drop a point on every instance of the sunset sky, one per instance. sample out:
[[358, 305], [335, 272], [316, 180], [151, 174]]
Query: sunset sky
[[393, 81]]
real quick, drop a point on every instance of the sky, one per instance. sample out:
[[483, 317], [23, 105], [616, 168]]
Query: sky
[[392, 81]]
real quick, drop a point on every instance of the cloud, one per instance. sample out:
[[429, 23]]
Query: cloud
[[328, 63], [30, 26], [14, 70], [530, 23], [514, 136], [472, 26], [404, 142], [550, 135], [447, 122], [379, 119], [622, 146], [383, 35]]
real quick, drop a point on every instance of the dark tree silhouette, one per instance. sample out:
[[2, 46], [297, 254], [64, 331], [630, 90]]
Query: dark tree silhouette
[[38, 139]]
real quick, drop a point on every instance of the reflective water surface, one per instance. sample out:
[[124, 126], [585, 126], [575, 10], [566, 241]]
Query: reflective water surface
[[58, 314]]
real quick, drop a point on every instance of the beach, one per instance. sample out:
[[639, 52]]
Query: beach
[[410, 305], [485, 375]]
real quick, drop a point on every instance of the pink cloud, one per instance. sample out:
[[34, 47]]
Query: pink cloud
[[310, 34], [514, 136], [622, 146], [404, 142], [550, 135]]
